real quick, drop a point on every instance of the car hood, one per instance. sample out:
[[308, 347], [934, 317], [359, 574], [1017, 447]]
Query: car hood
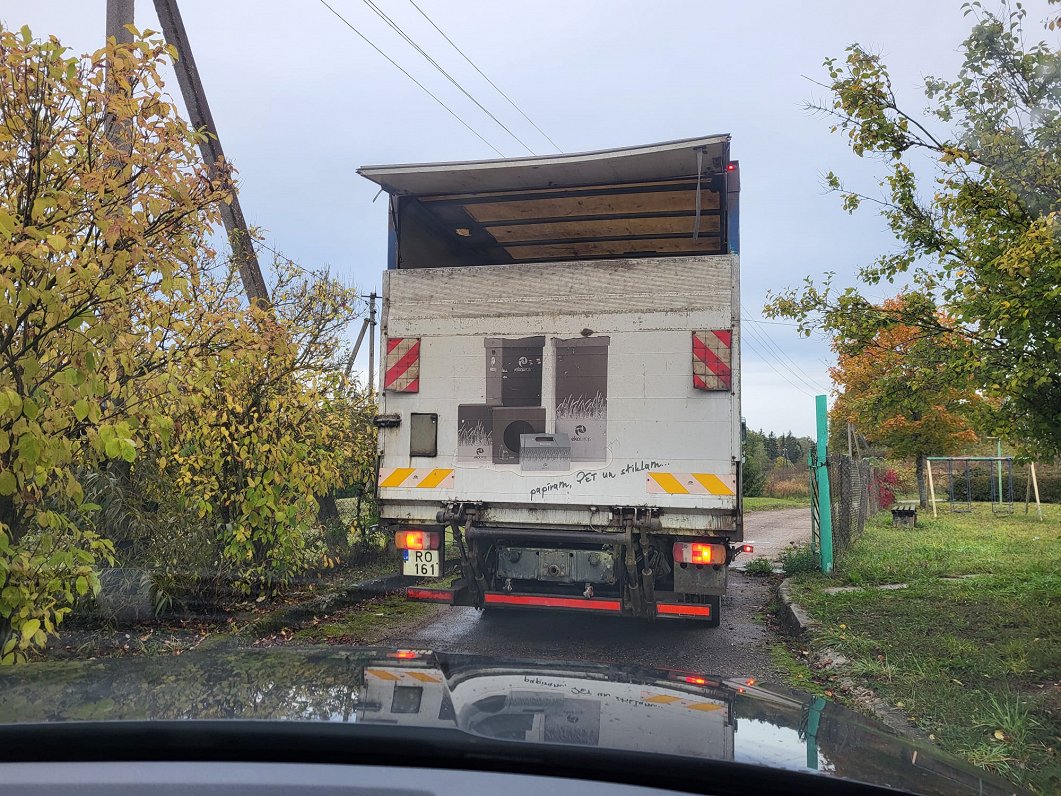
[[588, 706]]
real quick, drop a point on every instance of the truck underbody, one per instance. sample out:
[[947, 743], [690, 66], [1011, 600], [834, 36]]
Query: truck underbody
[[627, 567]]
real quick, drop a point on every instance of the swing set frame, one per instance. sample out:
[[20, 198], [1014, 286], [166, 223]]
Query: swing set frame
[[1000, 504]]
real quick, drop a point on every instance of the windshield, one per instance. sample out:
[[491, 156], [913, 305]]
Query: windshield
[[680, 383]]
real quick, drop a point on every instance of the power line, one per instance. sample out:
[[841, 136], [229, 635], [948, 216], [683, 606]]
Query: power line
[[769, 364], [285, 258], [487, 79], [784, 359], [397, 66], [787, 361], [796, 372], [397, 29], [772, 323], [771, 359]]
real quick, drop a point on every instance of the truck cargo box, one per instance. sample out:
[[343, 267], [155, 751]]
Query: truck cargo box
[[561, 377]]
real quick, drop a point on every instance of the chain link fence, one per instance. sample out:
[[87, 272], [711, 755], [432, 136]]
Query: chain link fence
[[855, 492]]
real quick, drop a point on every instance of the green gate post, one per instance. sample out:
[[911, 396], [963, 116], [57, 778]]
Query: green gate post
[[825, 505], [814, 717]]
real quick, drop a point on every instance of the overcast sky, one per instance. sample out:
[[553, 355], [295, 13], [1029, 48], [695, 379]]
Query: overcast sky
[[300, 102]]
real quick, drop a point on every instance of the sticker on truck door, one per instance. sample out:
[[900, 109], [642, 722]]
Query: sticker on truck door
[[422, 563]]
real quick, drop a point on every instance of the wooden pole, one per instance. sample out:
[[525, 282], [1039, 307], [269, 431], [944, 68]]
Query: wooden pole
[[931, 487], [213, 156], [372, 343], [1035, 486], [119, 14]]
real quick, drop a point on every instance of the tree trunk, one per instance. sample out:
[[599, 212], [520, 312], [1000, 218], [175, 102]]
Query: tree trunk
[[327, 508], [922, 487]]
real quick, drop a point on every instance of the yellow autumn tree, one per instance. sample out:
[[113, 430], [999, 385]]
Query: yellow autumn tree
[[104, 216], [268, 423]]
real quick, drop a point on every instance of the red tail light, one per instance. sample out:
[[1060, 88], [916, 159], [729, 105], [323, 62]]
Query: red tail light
[[747, 548], [416, 540], [699, 553]]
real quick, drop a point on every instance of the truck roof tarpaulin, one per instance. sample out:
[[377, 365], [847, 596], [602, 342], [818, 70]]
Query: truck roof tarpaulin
[[666, 199]]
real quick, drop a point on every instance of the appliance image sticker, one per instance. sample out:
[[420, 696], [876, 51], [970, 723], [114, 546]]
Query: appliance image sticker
[[474, 433], [514, 371], [508, 425], [582, 396]]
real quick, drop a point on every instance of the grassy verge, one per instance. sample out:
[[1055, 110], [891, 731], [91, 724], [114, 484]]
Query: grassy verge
[[236, 624], [971, 649], [774, 504], [365, 623]]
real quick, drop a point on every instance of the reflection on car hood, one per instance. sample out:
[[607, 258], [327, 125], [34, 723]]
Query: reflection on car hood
[[616, 707]]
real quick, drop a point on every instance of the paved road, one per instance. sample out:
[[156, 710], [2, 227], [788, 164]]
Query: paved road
[[740, 647], [773, 531]]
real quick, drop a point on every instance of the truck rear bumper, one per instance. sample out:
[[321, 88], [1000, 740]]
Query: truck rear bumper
[[461, 595]]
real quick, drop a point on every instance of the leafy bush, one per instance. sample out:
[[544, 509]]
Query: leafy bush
[[760, 566], [799, 558], [267, 426]]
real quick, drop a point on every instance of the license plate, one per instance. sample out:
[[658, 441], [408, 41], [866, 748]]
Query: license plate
[[423, 563]]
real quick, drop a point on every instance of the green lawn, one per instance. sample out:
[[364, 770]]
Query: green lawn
[[773, 504], [975, 661]]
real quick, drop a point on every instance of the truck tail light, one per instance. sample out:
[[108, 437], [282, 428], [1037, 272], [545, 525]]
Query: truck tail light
[[699, 553], [416, 540], [747, 548]]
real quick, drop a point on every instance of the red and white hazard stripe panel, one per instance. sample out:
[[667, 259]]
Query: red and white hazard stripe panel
[[711, 359], [403, 365]]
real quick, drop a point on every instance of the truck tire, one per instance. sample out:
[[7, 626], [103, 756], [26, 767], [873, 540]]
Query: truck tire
[[716, 612]]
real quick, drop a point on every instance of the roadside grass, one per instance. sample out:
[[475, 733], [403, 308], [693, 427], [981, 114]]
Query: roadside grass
[[971, 649], [365, 623], [774, 503], [795, 671], [243, 622]]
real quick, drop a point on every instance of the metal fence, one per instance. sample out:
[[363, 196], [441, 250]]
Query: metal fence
[[855, 495]]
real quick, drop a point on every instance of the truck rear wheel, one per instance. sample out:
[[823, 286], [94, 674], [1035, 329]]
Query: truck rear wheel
[[716, 611]]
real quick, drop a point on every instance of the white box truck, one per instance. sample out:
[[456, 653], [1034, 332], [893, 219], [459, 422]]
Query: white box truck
[[560, 379]]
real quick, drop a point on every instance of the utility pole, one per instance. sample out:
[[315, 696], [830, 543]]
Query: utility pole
[[199, 115], [119, 14], [372, 343]]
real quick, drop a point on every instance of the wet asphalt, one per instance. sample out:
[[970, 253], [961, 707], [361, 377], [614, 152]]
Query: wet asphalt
[[739, 647]]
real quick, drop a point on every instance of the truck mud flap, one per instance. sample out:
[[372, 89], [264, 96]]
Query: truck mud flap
[[683, 611], [495, 599], [458, 594]]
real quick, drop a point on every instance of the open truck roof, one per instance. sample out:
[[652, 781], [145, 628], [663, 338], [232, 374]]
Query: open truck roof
[[656, 200]]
